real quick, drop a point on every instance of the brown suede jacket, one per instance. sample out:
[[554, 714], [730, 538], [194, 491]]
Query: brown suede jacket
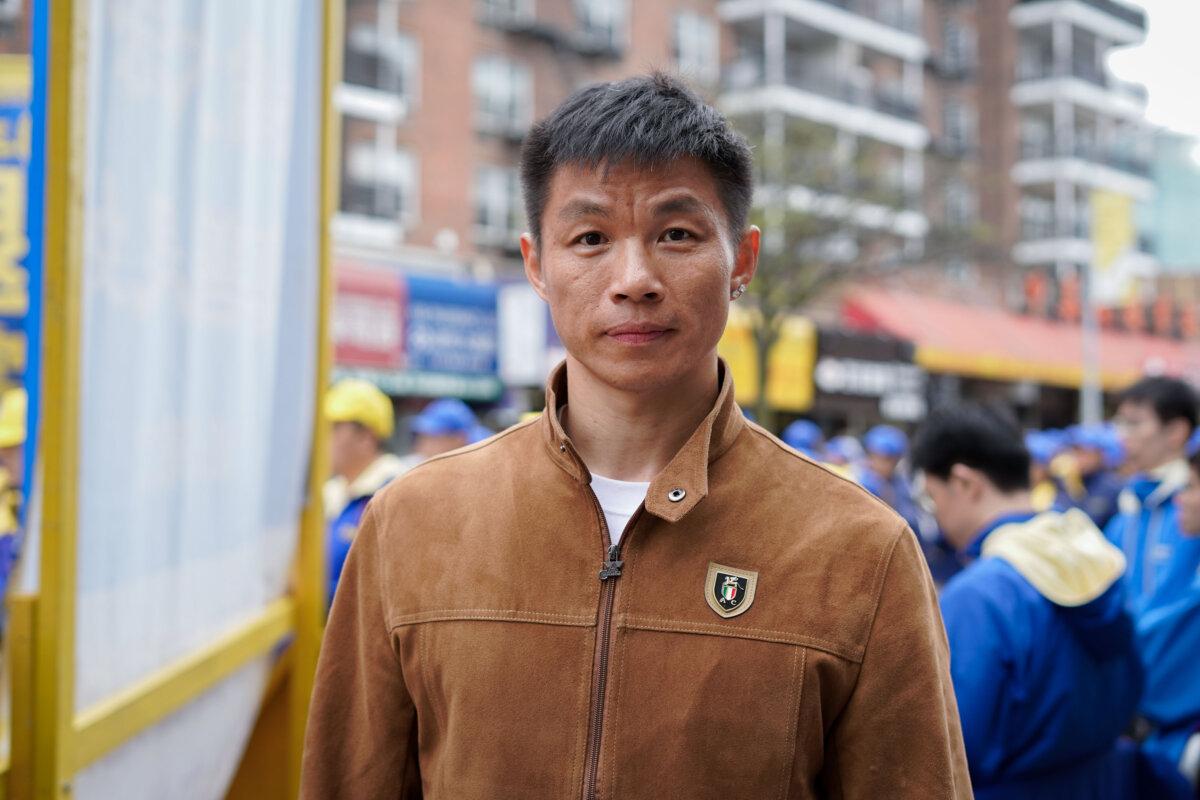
[[766, 629]]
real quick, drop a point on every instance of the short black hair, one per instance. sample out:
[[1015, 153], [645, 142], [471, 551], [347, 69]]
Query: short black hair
[[1170, 398], [985, 438], [649, 120]]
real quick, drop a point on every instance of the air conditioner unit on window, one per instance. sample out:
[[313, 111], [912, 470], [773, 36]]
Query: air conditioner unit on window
[[11, 10]]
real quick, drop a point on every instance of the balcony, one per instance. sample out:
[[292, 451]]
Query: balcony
[[882, 26], [886, 12], [1043, 70], [1127, 14], [1127, 163], [749, 75]]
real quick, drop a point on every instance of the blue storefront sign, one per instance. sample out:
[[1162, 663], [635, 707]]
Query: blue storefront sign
[[416, 335]]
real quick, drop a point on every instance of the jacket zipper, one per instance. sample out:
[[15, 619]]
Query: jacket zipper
[[610, 570]]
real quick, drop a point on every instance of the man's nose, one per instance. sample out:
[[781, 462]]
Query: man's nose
[[635, 278]]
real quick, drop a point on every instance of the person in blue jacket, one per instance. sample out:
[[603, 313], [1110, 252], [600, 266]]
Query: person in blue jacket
[[879, 473], [1041, 647], [1169, 640], [1049, 492], [1098, 454], [363, 420], [1155, 419]]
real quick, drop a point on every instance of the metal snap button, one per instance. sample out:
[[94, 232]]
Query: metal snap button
[[675, 495], [562, 447]]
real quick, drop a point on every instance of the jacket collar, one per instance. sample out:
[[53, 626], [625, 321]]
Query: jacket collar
[[975, 548], [1153, 489], [687, 472]]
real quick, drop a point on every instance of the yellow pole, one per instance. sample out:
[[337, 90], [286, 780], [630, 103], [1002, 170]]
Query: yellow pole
[[54, 632], [310, 586]]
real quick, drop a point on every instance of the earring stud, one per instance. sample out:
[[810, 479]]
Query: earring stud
[[738, 292]]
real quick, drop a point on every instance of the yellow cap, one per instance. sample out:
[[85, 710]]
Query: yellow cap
[[14, 407], [360, 401]]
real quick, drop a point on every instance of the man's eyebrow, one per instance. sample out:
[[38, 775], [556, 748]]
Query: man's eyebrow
[[682, 204], [578, 209]]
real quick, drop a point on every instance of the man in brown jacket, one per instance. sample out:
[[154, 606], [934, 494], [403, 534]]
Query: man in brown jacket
[[639, 594]]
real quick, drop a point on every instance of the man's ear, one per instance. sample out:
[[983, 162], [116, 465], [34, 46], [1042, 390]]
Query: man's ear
[[1178, 433], [745, 259], [969, 479], [533, 264]]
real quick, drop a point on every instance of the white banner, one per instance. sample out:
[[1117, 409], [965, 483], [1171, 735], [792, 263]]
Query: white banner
[[199, 318]]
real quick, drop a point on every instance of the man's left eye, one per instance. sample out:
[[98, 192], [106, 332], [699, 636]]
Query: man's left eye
[[677, 235]]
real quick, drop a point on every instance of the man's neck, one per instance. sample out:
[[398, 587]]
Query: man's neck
[[1002, 505], [352, 474], [631, 436]]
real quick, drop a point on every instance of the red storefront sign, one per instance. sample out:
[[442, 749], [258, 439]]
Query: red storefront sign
[[368, 318]]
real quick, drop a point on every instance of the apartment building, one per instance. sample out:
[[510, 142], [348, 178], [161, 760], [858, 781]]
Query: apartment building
[[437, 95], [836, 86]]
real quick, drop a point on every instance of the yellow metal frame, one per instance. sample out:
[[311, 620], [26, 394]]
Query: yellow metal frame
[[310, 598], [51, 741]]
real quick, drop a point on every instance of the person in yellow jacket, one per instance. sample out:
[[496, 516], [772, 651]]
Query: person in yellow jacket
[[363, 421], [13, 408]]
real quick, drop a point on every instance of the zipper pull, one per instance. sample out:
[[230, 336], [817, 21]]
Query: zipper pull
[[612, 567]]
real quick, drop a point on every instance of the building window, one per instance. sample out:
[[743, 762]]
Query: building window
[[1037, 218], [958, 46], [602, 22], [505, 10], [378, 178], [696, 48], [386, 60], [503, 96], [499, 216], [958, 125], [960, 204]]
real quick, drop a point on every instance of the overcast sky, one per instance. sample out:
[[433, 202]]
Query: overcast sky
[[1168, 63]]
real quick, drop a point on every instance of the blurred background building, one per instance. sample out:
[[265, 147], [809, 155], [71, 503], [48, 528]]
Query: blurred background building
[[979, 155], [999, 171]]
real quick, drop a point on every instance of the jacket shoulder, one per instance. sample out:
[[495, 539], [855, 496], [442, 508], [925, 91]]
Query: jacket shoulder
[[819, 487], [450, 475]]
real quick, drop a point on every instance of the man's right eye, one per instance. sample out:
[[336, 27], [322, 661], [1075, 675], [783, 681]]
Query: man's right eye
[[591, 239]]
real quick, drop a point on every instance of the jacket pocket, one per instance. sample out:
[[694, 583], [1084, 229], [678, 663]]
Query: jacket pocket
[[699, 715]]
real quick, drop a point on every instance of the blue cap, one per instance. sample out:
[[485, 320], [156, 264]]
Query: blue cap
[[1041, 447], [445, 417], [479, 432], [843, 449], [804, 435], [884, 440]]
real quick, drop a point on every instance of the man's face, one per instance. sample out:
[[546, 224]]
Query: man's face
[[430, 445], [1148, 442], [1187, 501], [12, 461], [951, 502], [1089, 460], [882, 465], [350, 445], [637, 266]]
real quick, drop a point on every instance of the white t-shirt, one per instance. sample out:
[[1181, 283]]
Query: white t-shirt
[[618, 499]]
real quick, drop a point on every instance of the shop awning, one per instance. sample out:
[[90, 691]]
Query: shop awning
[[983, 342]]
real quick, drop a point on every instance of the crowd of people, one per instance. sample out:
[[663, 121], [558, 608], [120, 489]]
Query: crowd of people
[[1067, 562]]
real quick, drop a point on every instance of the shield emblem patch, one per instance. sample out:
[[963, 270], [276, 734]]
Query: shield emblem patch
[[729, 591]]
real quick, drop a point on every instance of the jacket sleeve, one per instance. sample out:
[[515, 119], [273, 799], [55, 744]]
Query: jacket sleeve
[[361, 738], [980, 665], [898, 735], [1168, 638]]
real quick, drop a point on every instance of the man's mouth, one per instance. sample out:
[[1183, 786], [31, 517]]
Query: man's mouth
[[638, 333]]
